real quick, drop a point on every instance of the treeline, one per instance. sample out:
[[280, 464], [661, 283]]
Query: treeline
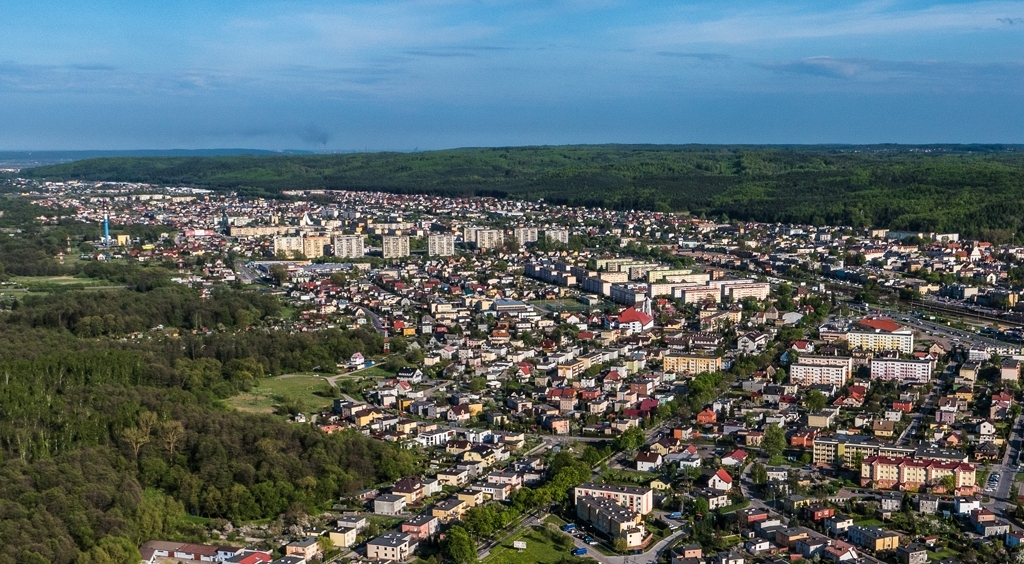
[[117, 313], [941, 188], [107, 440]]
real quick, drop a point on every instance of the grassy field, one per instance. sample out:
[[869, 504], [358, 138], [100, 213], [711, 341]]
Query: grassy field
[[560, 305], [54, 283], [539, 548], [942, 554], [868, 522], [554, 520], [375, 371], [273, 392]]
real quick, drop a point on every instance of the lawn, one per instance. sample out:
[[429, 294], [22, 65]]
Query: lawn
[[868, 522], [57, 283], [375, 371], [554, 520], [560, 305], [272, 392], [539, 548], [56, 280], [942, 554]]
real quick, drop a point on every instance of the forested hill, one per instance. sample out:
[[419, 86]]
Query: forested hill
[[971, 189]]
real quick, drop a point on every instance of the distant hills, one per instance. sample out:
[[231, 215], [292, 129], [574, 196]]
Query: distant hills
[[17, 159], [977, 190]]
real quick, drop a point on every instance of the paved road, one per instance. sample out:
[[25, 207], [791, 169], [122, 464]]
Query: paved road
[[917, 418], [1004, 494], [378, 325], [648, 557], [246, 274]]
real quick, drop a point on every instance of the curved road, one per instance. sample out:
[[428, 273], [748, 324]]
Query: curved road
[[648, 557]]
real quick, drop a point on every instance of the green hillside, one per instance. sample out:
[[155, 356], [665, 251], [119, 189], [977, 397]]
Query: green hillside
[[976, 190]]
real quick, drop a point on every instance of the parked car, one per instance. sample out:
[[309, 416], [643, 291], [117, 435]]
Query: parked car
[[579, 551]]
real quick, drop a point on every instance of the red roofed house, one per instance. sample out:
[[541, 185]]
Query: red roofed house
[[707, 417], [736, 458], [805, 347], [635, 321], [718, 480]]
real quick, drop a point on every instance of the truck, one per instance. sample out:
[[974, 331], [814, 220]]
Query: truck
[[579, 552], [569, 527], [676, 515]]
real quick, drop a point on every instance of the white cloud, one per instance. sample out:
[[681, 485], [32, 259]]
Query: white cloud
[[771, 22]]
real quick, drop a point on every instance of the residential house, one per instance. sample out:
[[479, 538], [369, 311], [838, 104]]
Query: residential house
[[391, 546]]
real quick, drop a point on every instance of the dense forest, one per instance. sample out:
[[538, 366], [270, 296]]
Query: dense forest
[[975, 190], [113, 431]]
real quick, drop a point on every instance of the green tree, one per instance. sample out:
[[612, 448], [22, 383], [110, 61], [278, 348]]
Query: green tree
[[278, 274], [459, 546], [631, 439], [774, 441], [759, 474], [325, 544], [815, 401]]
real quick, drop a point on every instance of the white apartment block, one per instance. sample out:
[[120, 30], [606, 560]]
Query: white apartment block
[[904, 371], [698, 294], [349, 246], [525, 235], [640, 500], [557, 235], [287, 245], [738, 292], [313, 245], [441, 245], [902, 340], [396, 246], [814, 374], [843, 361], [489, 238]]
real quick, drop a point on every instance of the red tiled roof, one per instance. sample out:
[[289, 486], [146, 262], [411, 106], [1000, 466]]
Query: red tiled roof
[[630, 315], [879, 323]]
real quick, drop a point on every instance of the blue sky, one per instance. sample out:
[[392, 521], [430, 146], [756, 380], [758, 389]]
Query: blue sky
[[428, 74]]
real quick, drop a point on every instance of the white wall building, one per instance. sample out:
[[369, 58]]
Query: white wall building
[[396, 246]]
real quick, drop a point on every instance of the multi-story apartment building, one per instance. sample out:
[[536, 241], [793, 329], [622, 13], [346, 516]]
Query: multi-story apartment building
[[903, 371], [844, 361], [313, 245], [489, 238], [737, 292], [612, 519], [842, 449], [288, 245], [881, 334], [525, 235], [396, 246], [813, 374], [640, 500], [349, 246], [691, 363], [557, 235], [914, 473], [628, 294], [441, 245], [697, 294]]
